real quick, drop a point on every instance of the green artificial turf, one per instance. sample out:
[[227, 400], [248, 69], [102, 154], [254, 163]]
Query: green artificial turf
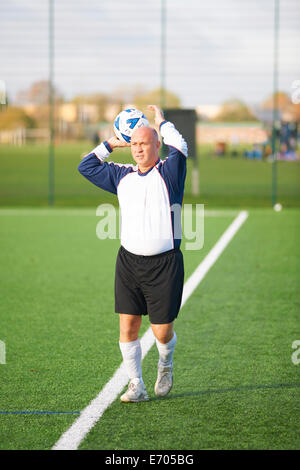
[[223, 182], [235, 386]]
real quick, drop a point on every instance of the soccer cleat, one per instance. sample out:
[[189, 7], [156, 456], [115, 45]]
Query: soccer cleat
[[136, 392], [164, 380]]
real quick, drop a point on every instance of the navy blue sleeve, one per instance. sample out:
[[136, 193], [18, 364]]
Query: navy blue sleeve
[[103, 174], [173, 171]]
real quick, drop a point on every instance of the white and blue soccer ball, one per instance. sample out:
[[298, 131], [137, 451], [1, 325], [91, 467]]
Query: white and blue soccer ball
[[127, 122]]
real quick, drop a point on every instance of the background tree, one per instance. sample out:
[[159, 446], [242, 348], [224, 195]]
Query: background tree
[[282, 100], [38, 93], [289, 111], [35, 101], [141, 100], [234, 110], [14, 118]]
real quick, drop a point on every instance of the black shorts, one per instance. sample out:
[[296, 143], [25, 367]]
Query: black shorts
[[149, 285]]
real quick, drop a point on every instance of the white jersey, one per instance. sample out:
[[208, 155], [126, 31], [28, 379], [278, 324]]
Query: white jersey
[[150, 202]]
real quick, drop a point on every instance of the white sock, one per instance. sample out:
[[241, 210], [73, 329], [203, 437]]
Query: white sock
[[132, 357], [166, 351]]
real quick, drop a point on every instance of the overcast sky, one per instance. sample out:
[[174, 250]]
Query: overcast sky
[[215, 50]]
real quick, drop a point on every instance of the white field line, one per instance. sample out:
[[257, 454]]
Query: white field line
[[212, 256], [72, 438]]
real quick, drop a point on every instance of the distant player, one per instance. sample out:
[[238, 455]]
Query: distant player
[[149, 268]]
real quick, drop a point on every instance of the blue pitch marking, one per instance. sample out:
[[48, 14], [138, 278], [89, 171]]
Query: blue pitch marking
[[38, 412]]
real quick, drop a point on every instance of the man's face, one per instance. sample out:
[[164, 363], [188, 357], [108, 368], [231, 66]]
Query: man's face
[[144, 147]]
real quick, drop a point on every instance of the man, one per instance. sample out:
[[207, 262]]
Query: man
[[149, 268]]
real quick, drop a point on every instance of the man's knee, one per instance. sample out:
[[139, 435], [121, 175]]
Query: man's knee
[[163, 333], [129, 327]]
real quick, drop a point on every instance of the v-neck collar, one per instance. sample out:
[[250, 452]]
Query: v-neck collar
[[148, 171]]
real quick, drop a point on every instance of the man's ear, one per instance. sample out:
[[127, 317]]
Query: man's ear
[[158, 144]]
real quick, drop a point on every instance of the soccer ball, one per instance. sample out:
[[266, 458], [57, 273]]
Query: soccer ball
[[127, 121], [277, 207]]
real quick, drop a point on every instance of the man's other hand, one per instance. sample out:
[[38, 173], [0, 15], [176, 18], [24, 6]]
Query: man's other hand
[[114, 142], [158, 114]]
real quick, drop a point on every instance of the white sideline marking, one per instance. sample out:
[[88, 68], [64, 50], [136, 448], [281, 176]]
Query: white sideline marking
[[212, 256], [72, 438]]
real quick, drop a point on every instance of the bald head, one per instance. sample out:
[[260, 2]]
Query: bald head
[[144, 147], [145, 131]]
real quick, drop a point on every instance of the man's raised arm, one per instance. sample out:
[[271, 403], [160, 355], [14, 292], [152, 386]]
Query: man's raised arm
[[103, 174], [169, 133]]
